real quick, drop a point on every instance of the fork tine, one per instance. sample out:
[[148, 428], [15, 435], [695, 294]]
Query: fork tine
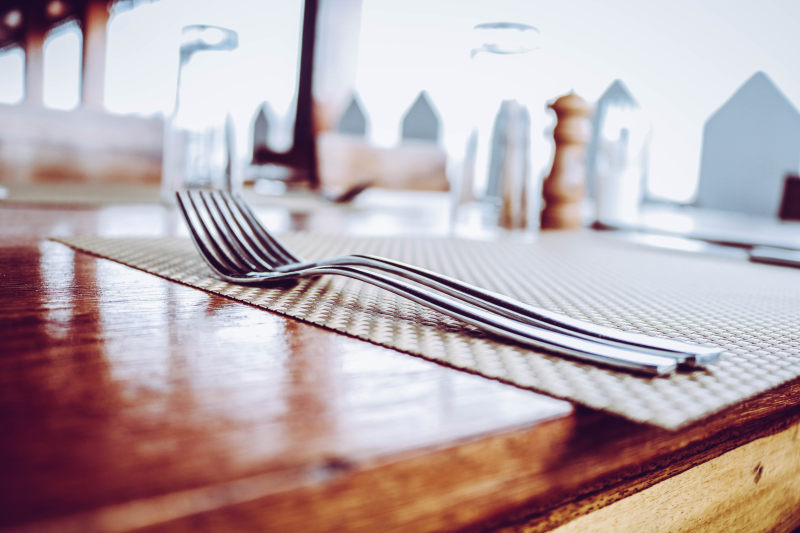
[[265, 238], [261, 252], [236, 240], [216, 259], [263, 234], [217, 235]]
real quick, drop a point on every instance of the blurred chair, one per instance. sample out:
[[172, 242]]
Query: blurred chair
[[329, 141], [301, 158], [749, 145]]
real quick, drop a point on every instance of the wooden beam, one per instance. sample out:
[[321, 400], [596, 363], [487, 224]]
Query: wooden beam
[[34, 58], [95, 21]]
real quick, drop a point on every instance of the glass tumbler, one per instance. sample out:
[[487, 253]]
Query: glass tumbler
[[198, 136], [495, 194]]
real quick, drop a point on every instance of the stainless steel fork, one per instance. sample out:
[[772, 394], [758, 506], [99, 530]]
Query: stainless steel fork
[[275, 257], [239, 249]]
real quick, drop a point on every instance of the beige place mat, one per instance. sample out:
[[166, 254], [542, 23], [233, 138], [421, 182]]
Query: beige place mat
[[753, 311]]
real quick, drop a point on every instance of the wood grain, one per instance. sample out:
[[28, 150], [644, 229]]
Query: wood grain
[[132, 403], [753, 488]]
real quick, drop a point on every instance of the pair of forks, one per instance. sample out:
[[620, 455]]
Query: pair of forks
[[239, 249]]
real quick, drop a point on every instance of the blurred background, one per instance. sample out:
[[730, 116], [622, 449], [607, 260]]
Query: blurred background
[[680, 60]]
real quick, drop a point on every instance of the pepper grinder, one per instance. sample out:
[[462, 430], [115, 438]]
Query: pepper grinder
[[564, 189]]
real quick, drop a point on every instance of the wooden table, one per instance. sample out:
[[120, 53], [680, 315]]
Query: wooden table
[[128, 402]]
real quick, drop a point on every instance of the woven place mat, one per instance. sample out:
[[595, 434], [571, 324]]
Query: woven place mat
[[753, 311]]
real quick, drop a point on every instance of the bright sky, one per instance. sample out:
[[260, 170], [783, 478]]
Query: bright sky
[[681, 59]]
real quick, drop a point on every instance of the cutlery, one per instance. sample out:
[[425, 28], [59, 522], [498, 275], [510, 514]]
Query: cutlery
[[241, 250], [226, 206]]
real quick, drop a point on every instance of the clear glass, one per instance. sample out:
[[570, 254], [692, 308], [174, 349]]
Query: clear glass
[[198, 136], [495, 193]]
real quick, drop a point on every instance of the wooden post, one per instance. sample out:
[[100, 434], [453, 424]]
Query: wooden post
[[565, 187], [95, 20], [34, 58]]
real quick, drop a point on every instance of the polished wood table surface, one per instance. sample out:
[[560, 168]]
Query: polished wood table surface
[[129, 402]]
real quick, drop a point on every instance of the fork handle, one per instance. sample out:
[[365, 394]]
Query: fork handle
[[528, 334], [682, 352]]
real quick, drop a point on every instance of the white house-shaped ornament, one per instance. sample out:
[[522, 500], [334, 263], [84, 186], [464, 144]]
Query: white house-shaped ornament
[[749, 145], [421, 121], [354, 120]]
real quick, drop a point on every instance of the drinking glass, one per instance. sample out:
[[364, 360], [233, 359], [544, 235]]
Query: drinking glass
[[495, 193], [198, 136]]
